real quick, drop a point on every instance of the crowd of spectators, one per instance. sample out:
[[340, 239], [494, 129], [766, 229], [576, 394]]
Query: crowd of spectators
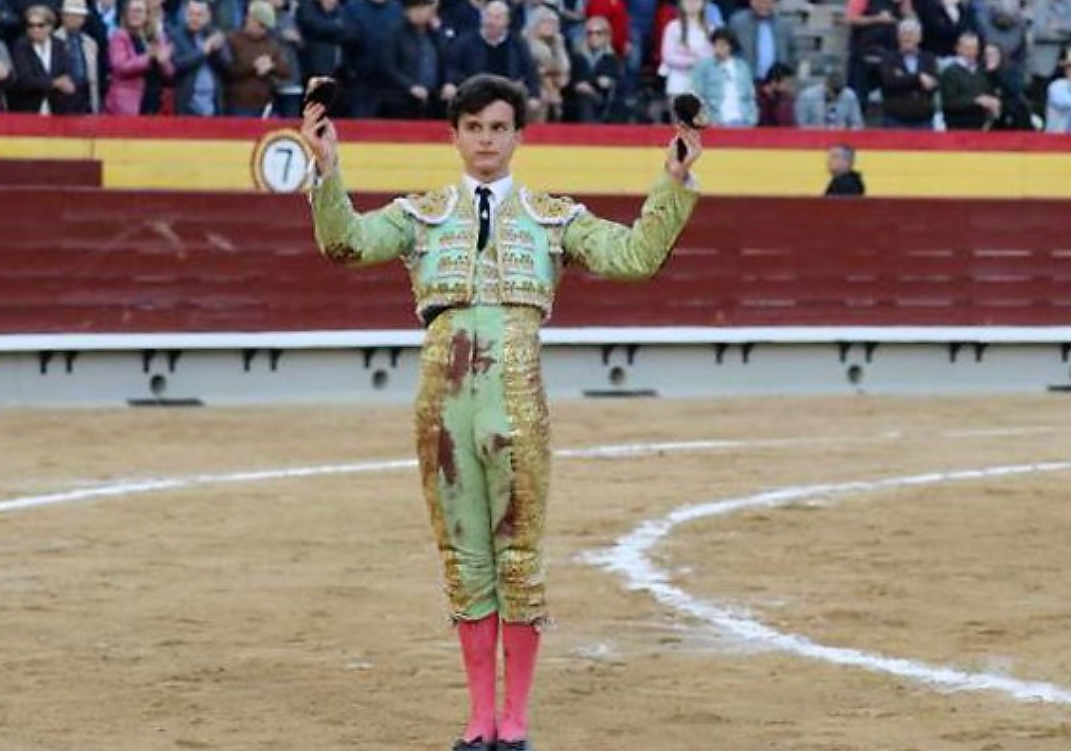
[[918, 64]]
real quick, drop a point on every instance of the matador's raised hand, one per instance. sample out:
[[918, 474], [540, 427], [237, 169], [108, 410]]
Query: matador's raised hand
[[679, 170], [319, 132]]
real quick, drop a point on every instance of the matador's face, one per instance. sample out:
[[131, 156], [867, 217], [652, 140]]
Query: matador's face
[[486, 141]]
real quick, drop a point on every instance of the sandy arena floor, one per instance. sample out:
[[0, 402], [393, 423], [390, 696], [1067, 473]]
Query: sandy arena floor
[[304, 613]]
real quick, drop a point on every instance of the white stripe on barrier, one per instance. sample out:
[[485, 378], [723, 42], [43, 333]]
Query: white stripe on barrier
[[594, 335]]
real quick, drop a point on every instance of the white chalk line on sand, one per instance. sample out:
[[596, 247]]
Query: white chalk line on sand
[[630, 557], [614, 451], [134, 487]]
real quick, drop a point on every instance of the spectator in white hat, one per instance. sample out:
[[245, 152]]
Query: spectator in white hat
[[83, 56]]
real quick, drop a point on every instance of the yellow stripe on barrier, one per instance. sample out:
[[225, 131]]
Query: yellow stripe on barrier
[[393, 167]]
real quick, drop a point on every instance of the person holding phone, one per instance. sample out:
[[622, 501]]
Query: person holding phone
[[485, 257]]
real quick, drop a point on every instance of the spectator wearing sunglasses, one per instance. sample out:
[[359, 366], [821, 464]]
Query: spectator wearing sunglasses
[[596, 73], [42, 76]]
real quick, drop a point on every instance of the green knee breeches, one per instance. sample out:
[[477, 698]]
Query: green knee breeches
[[483, 443]]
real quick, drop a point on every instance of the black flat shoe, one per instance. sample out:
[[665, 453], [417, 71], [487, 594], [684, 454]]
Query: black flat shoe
[[476, 744], [513, 746]]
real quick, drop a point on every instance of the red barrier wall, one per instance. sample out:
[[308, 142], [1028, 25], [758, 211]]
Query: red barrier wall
[[51, 172], [81, 260]]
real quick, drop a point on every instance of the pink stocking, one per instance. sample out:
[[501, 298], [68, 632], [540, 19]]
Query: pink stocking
[[520, 643], [479, 643]]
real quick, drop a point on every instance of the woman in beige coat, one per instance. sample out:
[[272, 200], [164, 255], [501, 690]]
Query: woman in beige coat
[[547, 45]]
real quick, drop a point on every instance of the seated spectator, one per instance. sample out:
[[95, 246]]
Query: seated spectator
[[763, 36], [257, 62], [829, 105], [909, 81], [201, 59], [724, 83], [82, 58], [7, 74], [943, 22], [551, 58], [685, 43], [617, 14], [844, 179], [872, 25], [967, 97], [42, 81], [288, 89], [596, 73], [323, 29], [777, 98], [1007, 86], [414, 65], [1058, 105], [1051, 31], [138, 66], [1001, 22], [493, 49]]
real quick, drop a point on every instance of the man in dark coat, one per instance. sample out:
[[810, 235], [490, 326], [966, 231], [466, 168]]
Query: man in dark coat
[[909, 81], [845, 180], [967, 96], [493, 49], [324, 29], [201, 59], [369, 23], [41, 67], [413, 66]]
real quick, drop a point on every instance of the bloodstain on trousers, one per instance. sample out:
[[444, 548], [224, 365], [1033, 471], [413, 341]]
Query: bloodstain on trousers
[[483, 443]]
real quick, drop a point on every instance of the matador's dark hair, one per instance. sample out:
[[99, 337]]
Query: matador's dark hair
[[482, 90]]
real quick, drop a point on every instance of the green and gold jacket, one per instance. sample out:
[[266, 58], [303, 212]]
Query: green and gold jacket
[[534, 236]]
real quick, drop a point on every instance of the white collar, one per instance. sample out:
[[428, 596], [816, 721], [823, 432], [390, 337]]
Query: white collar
[[500, 188]]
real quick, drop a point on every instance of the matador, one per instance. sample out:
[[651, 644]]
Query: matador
[[484, 257]]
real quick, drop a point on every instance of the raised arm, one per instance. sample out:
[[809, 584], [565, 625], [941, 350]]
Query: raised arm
[[342, 234], [615, 251]]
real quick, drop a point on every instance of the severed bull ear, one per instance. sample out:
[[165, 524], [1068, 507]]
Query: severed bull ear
[[323, 91], [688, 109]]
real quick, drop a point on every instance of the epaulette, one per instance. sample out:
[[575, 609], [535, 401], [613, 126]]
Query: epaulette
[[547, 209], [431, 208]]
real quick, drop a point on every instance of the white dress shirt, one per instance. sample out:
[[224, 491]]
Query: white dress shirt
[[499, 190]]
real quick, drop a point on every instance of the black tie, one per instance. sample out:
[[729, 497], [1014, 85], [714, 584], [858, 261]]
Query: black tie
[[485, 216]]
